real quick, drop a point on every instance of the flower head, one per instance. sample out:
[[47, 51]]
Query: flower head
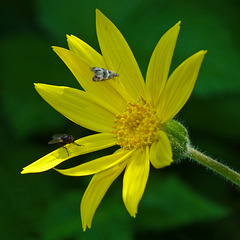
[[124, 110]]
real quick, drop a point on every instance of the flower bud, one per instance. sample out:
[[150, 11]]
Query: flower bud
[[178, 137]]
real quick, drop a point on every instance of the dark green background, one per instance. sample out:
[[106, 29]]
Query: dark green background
[[183, 201]]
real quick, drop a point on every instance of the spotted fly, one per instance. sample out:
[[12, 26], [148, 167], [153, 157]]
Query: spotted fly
[[62, 139], [102, 74]]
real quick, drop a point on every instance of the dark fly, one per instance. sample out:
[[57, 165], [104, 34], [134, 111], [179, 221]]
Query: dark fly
[[62, 139]]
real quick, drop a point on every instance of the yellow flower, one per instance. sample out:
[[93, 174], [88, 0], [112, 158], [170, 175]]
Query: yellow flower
[[125, 111]]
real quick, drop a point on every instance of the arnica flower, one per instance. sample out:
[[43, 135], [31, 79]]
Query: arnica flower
[[125, 111]]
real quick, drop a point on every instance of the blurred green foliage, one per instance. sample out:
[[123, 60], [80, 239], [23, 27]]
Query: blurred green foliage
[[183, 201]]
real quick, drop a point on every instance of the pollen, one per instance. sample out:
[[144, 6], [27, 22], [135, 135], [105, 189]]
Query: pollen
[[137, 126]]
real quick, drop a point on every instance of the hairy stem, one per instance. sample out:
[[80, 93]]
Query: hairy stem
[[215, 166]]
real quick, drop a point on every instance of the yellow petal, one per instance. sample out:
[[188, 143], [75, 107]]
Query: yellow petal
[[160, 62], [94, 59], [161, 152], [118, 55], [97, 165], [85, 52], [95, 192], [104, 90], [78, 106], [179, 87], [135, 179], [87, 144]]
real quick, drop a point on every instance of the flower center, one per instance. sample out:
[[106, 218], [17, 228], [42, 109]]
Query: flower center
[[137, 126]]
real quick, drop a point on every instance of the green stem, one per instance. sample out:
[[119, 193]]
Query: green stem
[[215, 166]]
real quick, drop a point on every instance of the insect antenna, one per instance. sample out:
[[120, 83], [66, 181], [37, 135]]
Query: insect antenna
[[119, 67]]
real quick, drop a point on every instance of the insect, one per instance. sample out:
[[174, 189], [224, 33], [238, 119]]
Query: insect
[[62, 139], [102, 74]]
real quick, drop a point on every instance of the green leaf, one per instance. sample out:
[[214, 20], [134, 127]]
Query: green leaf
[[63, 220], [23, 197], [25, 60], [78, 17], [169, 203], [217, 116]]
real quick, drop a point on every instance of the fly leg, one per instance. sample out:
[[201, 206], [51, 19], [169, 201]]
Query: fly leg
[[66, 150]]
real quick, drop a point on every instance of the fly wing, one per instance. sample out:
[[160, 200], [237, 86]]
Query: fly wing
[[53, 141], [97, 78], [98, 74], [56, 138]]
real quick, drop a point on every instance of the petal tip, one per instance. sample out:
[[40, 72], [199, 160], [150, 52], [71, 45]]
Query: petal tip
[[178, 23], [176, 26], [26, 170], [133, 215], [56, 49], [98, 12], [132, 211], [38, 85], [23, 171], [70, 36], [84, 227], [202, 52], [100, 15]]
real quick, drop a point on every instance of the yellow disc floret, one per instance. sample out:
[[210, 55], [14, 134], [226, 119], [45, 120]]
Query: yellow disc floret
[[137, 126]]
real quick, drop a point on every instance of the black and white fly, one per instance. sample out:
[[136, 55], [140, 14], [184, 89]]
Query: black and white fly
[[102, 74]]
